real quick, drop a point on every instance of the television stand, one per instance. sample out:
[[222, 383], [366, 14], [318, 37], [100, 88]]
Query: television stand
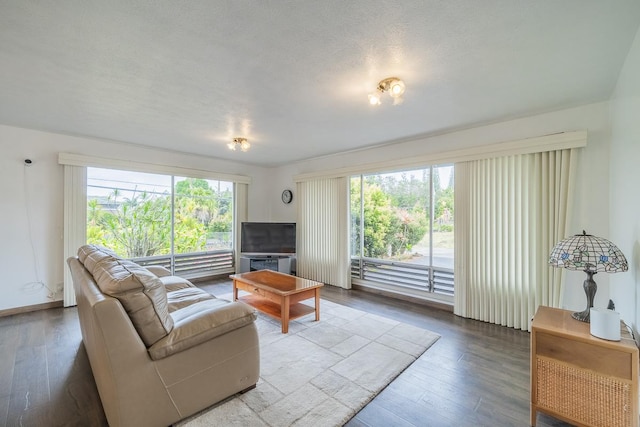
[[278, 263]]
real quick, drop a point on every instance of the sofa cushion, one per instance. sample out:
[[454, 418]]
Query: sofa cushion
[[140, 292], [91, 255], [200, 322], [158, 270], [184, 297], [173, 283]]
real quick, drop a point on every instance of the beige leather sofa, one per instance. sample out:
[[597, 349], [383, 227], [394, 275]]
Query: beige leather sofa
[[160, 348]]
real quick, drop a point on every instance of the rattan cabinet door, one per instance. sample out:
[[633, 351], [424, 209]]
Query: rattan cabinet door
[[580, 378]]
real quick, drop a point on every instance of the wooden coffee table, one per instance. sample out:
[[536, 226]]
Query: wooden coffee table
[[278, 294]]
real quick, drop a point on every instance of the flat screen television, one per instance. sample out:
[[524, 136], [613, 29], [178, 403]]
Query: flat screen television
[[268, 238]]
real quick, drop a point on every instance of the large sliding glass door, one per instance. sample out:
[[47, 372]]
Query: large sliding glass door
[[184, 224], [402, 229]]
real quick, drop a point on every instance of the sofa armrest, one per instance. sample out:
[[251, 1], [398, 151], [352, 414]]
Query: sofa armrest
[[202, 322], [158, 270]]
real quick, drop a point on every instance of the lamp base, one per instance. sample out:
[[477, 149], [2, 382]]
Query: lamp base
[[590, 289], [583, 316]]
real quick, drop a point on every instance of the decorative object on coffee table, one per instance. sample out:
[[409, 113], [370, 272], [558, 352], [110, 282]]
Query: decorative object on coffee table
[[590, 254]]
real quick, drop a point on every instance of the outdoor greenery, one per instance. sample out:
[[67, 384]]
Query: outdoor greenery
[[397, 211], [140, 225]]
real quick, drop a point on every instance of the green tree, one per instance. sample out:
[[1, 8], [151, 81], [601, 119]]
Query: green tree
[[190, 234], [378, 217], [139, 226], [223, 221], [395, 213], [409, 227], [443, 207], [95, 231], [198, 199]]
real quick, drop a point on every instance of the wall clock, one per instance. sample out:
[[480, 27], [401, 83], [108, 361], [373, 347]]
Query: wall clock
[[287, 196]]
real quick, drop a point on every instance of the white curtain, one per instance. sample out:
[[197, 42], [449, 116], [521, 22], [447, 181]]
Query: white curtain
[[75, 222], [509, 213], [240, 203], [322, 249]]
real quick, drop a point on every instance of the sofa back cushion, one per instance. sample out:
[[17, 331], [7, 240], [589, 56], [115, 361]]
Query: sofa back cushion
[[140, 292]]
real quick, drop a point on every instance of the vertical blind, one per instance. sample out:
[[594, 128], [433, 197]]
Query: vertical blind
[[75, 222], [510, 212], [241, 214], [322, 249]]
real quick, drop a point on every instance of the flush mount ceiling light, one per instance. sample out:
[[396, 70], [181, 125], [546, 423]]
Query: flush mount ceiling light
[[393, 85], [242, 142]]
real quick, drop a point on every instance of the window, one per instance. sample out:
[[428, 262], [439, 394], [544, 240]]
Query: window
[[203, 214], [183, 224], [402, 229]]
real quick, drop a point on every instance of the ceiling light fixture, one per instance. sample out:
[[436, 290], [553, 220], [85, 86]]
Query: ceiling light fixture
[[393, 85], [242, 142]]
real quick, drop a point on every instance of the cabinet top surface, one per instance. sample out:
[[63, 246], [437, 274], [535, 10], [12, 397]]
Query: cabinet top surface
[[559, 321], [276, 282]]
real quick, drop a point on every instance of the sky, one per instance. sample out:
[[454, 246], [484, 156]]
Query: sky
[[443, 171], [101, 182]]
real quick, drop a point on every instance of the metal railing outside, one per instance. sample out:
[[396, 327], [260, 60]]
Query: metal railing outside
[[195, 264], [438, 280]]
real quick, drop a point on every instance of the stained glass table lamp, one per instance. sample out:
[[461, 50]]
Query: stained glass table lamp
[[590, 254]]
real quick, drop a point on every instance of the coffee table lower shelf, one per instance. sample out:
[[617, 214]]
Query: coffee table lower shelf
[[277, 294], [273, 309]]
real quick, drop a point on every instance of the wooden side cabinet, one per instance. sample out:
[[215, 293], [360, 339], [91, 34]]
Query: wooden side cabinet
[[581, 379]]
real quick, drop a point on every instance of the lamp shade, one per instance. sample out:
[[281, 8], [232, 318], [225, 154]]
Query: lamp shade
[[588, 253]]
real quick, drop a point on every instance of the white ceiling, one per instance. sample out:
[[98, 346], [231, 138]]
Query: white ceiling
[[293, 76]]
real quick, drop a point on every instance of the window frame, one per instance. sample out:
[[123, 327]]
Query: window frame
[[178, 262], [75, 199], [408, 272]]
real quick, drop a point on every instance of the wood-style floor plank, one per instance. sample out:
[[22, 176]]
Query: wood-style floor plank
[[8, 348], [476, 374]]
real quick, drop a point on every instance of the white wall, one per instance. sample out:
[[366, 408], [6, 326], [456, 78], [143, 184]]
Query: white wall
[[32, 207], [281, 179], [591, 199], [44, 180], [625, 183]]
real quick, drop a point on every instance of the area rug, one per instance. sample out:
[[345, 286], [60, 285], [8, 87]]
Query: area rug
[[320, 373]]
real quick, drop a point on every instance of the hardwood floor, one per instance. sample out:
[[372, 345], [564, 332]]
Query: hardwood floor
[[476, 374], [45, 378]]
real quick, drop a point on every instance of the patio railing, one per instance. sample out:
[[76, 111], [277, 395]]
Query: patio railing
[[194, 265], [438, 280]]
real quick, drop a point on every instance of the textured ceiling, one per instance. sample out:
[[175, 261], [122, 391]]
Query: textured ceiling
[[293, 76]]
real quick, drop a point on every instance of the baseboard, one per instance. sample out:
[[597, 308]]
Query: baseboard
[[30, 308]]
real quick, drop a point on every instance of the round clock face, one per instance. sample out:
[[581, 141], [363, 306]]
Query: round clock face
[[287, 196]]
